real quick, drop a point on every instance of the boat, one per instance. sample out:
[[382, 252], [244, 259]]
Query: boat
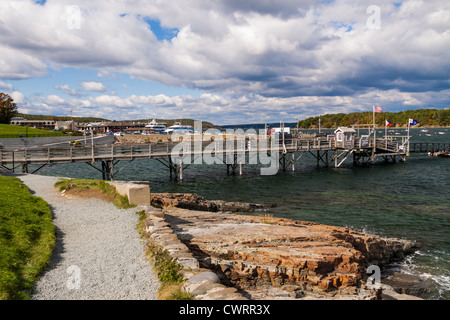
[[424, 130], [444, 154], [179, 128], [440, 132], [155, 128]]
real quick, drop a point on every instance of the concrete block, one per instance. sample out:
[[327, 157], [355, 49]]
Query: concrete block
[[138, 194]]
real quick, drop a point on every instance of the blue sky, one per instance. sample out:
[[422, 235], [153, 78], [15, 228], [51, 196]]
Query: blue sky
[[224, 61]]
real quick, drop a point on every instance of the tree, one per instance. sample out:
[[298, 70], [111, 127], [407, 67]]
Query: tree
[[8, 109]]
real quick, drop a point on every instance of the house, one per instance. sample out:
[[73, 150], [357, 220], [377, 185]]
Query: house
[[345, 138]]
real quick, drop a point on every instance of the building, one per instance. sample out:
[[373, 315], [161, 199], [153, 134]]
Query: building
[[345, 138], [38, 124], [63, 125], [106, 127]]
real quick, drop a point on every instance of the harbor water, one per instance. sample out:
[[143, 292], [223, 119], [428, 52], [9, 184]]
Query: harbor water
[[408, 200]]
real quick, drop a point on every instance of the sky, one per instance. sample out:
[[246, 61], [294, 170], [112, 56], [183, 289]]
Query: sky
[[224, 61]]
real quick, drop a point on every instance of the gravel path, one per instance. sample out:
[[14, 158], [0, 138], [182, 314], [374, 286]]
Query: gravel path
[[98, 253]]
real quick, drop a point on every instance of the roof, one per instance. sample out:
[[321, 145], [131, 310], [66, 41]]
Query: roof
[[345, 130]]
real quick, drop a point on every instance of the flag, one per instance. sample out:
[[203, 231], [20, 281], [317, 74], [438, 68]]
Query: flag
[[412, 122], [388, 123], [377, 109]]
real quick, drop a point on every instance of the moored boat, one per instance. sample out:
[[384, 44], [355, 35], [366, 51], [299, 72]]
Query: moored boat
[[179, 128]]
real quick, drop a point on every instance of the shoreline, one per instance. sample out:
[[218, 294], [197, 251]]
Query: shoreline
[[243, 251]]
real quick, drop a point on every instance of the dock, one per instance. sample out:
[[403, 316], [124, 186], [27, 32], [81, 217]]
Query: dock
[[276, 151]]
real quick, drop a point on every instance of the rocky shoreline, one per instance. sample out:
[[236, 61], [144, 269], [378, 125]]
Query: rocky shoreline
[[192, 201], [275, 258]]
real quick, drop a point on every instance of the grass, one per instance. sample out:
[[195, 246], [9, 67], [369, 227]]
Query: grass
[[27, 238], [94, 188], [10, 131]]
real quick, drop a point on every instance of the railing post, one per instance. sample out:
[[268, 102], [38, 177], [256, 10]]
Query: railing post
[[92, 148]]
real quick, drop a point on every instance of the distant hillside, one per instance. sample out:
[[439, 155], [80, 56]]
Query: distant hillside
[[56, 118], [424, 117], [205, 124]]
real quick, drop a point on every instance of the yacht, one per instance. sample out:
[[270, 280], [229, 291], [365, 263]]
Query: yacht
[[179, 128], [155, 127]]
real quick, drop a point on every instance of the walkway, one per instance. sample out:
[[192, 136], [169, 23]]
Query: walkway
[[98, 253]]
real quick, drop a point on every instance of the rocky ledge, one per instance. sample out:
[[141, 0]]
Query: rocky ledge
[[194, 201], [261, 254]]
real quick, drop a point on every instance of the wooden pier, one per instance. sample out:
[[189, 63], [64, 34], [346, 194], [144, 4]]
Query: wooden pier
[[234, 153]]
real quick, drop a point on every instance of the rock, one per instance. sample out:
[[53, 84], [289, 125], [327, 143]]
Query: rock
[[254, 252], [407, 284], [177, 247], [277, 292], [204, 276], [205, 287], [192, 201], [188, 263], [220, 293]]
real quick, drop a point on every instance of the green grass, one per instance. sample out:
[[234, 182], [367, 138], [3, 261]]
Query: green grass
[[10, 131], [89, 187], [27, 238]]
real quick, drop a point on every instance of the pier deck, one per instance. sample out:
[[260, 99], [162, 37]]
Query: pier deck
[[233, 153]]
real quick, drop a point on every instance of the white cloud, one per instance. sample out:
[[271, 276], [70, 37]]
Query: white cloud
[[310, 53], [220, 109], [93, 86], [7, 86], [18, 97], [67, 90]]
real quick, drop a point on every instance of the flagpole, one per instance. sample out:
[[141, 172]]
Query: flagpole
[[374, 135], [385, 128], [385, 131], [409, 124]]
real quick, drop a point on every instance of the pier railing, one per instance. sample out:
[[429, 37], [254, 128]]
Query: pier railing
[[92, 153]]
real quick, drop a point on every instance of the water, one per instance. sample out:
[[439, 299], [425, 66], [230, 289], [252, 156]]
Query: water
[[406, 200]]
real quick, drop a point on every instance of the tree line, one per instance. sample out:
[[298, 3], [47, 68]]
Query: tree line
[[424, 117]]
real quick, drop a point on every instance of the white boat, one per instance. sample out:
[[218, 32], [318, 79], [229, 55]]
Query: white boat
[[441, 132], [424, 130], [156, 127], [179, 128]]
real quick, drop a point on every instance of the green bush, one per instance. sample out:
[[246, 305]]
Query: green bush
[[168, 268]]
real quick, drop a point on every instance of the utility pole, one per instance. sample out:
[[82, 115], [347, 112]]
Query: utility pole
[[71, 119]]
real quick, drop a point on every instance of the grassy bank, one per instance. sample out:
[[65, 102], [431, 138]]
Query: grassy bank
[[87, 188], [27, 238], [10, 131]]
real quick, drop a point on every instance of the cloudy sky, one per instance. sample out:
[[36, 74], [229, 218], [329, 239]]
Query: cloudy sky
[[224, 61]]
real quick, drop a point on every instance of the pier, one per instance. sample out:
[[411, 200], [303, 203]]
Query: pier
[[282, 150]]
